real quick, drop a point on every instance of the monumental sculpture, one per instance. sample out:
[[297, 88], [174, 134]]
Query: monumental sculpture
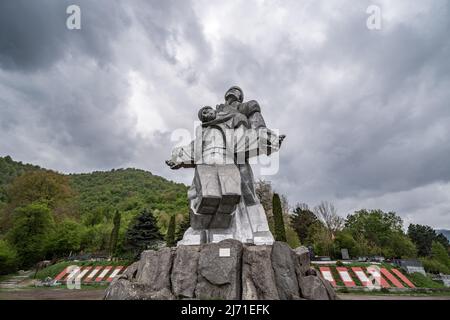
[[228, 253], [222, 199]]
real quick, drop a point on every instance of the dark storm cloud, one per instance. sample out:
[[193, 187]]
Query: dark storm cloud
[[366, 112]]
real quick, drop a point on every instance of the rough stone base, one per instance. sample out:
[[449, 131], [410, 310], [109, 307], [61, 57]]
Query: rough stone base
[[225, 270]]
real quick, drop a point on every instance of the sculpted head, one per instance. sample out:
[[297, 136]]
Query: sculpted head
[[206, 114], [234, 94]]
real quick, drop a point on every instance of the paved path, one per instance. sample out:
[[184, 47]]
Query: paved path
[[16, 281]]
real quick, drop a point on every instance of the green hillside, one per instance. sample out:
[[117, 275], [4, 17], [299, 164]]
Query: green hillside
[[9, 169], [78, 209]]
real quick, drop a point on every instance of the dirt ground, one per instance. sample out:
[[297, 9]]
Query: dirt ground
[[52, 294], [97, 294]]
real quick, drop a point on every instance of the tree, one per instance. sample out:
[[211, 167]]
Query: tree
[[400, 246], [280, 232], [143, 233], [182, 228], [442, 240], [375, 226], [439, 253], [8, 258], [264, 192], [423, 237], [114, 233], [31, 228], [170, 236], [65, 239], [328, 214], [301, 221]]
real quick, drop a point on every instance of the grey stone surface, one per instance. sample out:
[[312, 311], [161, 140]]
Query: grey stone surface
[[284, 269], [303, 263], [258, 278], [219, 277], [154, 269], [184, 271], [207, 272], [312, 288]]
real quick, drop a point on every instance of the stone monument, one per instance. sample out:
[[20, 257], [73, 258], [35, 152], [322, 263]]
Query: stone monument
[[228, 252], [222, 199]]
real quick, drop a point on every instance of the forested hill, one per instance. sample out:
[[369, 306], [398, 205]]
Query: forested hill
[[9, 169], [127, 190], [90, 199]]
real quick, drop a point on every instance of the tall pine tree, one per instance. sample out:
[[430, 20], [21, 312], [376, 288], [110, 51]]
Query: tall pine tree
[[143, 233], [301, 221], [184, 225], [280, 232], [114, 233], [170, 236]]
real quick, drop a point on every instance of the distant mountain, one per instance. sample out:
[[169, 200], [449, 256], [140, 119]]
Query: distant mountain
[[445, 232]]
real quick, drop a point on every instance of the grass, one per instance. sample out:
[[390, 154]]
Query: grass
[[422, 281], [415, 293]]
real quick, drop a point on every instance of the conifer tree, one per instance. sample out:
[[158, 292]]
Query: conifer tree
[[143, 233], [280, 232]]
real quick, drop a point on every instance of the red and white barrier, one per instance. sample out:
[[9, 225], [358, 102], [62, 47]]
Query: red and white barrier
[[83, 272], [380, 281], [326, 273], [103, 274], [74, 271], [114, 273], [61, 274], [345, 276], [362, 276], [391, 278], [403, 278], [91, 275]]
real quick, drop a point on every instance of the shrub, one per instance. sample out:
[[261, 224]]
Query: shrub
[[434, 266], [8, 258]]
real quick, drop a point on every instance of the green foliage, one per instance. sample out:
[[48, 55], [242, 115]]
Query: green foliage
[[143, 233], [422, 281], [30, 233], [292, 237], [9, 170], [301, 221], [65, 239], [170, 236], [345, 240], [400, 246], [280, 232], [377, 232], [434, 266], [423, 237], [8, 258], [440, 253], [183, 226], [322, 241], [114, 233]]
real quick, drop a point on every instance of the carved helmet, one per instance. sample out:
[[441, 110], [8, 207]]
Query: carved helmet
[[241, 98]]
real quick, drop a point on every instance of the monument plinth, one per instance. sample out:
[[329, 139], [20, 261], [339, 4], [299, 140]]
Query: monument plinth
[[228, 270]]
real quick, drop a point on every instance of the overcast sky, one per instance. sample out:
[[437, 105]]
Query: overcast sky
[[366, 112]]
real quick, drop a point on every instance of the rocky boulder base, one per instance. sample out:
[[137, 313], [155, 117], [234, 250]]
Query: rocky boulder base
[[244, 272]]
